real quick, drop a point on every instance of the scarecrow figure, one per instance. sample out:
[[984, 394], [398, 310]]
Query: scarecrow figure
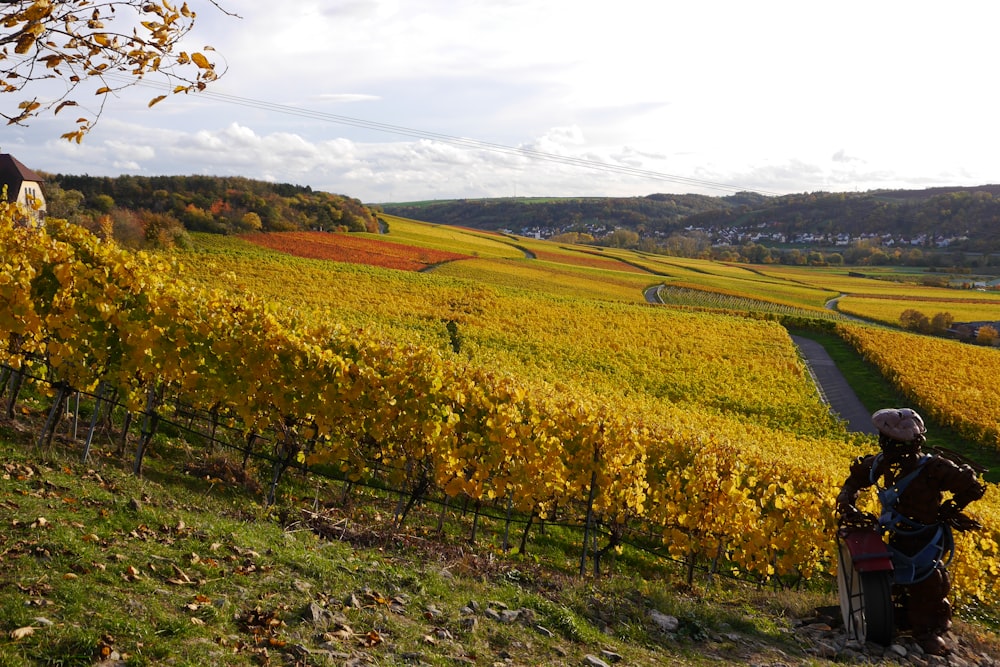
[[917, 518]]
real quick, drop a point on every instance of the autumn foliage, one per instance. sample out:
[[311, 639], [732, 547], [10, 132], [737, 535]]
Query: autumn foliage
[[353, 249], [79, 42], [709, 486]]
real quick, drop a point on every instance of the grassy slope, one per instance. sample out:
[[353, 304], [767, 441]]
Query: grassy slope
[[174, 569]]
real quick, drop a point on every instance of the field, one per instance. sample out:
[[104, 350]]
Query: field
[[889, 308], [468, 242], [355, 249], [517, 372]]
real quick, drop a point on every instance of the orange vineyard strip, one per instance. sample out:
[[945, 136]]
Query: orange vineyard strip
[[353, 249]]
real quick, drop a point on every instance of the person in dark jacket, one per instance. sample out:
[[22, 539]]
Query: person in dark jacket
[[916, 516]]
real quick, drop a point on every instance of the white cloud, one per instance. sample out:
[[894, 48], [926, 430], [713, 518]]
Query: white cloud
[[780, 96], [842, 156]]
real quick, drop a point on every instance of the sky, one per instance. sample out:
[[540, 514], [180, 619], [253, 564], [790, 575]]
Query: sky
[[396, 100]]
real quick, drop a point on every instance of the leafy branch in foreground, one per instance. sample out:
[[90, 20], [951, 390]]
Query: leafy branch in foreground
[[78, 42]]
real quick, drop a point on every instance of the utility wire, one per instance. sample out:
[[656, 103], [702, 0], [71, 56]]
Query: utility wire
[[461, 142]]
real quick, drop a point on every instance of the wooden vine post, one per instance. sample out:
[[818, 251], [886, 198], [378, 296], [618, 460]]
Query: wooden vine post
[[99, 401], [588, 522], [14, 384], [58, 405], [506, 525], [287, 450], [150, 421]]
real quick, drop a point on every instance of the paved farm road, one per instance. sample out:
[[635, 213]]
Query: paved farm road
[[833, 387]]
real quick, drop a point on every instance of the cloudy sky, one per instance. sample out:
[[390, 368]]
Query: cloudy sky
[[396, 100]]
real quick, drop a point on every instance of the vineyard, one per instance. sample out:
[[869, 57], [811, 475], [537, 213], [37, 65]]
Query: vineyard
[[698, 431], [678, 295], [954, 383], [889, 308], [344, 248]]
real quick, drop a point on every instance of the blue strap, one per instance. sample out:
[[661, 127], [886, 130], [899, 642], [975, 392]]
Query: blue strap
[[940, 547], [892, 519], [937, 553], [893, 492]]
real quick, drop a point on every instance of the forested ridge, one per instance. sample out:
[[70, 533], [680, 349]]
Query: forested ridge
[[159, 209], [653, 213], [968, 217]]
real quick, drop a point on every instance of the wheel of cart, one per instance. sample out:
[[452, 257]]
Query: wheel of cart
[[864, 582]]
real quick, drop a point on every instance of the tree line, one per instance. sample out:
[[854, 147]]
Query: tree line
[[159, 211], [697, 225], [943, 324]]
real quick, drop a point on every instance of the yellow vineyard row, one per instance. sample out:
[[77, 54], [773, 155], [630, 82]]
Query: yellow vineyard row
[[761, 498], [954, 382], [889, 309]]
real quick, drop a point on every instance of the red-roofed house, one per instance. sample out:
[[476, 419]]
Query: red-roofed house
[[23, 185]]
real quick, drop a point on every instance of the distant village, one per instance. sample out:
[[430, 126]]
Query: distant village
[[765, 232], [761, 233]]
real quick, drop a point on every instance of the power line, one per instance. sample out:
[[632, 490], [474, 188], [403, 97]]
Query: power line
[[461, 142]]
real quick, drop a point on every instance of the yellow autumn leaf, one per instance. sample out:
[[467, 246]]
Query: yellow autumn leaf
[[38, 10], [201, 61], [21, 633], [24, 43]]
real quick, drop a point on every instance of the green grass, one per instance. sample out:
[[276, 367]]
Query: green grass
[[173, 569], [872, 389]]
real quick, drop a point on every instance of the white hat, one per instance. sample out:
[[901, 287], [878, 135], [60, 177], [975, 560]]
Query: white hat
[[902, 424]]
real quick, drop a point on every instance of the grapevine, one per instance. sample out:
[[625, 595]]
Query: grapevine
[[709, 482]]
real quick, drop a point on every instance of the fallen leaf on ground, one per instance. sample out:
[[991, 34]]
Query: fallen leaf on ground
[[372, 638]]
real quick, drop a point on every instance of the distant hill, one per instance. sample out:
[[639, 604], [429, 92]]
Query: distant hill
[[960, 218], [654, 213], [151, 205]]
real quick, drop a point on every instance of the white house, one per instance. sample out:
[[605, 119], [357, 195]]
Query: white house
[[23, 185]]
